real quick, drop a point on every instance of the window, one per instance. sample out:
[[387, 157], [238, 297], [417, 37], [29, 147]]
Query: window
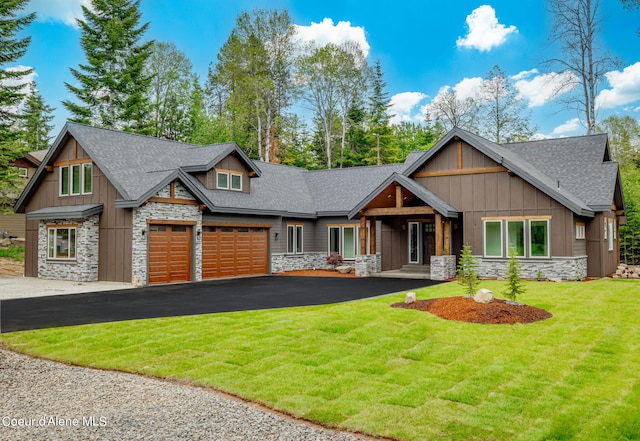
[[580, 231], [76, 179], [23, 172], [524, 238], [610, 234], [493, 238], [414, 242], [229, 181], [236, 182], [62, 243], [344, 240], [539, 238], [223, 181], [515, 238], [294, 239]]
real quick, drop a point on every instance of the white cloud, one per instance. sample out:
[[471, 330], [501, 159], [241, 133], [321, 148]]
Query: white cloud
[[542, 88], [468, 88], [485, 32], [569, 127], [65, 11], [403, 105], [625, 87], [326, 32]]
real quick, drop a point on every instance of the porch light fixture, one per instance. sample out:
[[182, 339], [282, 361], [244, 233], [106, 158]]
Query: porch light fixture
[[198, 232], [276, 235], [143, 232]]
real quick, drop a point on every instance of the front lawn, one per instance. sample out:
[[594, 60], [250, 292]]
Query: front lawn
[[400, 373]]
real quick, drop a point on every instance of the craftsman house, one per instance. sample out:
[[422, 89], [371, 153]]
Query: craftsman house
[[14, 224], [108, 205]]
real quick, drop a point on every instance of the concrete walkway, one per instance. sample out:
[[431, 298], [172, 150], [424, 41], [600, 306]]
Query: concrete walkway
[[18, 287]]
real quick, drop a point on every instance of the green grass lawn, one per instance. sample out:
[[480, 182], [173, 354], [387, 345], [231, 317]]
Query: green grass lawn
[[400, 373]]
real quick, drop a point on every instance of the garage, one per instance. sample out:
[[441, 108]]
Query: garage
[[169, 253], [230, 251]]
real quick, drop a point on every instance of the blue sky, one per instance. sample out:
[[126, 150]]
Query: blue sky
[[423, 46]]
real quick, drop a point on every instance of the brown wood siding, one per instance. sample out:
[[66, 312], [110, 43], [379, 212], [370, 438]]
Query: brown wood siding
[[493, 195], [14, 223], [601, 262], [115, 223], [31, 249]]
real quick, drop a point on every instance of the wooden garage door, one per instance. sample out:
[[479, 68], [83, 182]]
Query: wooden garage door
[[234, 251], [169, 253]]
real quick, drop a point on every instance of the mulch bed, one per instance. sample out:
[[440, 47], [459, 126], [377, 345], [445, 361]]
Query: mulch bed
[[465, 309]]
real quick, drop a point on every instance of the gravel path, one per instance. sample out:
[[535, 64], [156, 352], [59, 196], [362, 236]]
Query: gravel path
[[61, 402]]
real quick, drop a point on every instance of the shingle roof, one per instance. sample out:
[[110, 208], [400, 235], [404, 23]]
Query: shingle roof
[[577, 163], [138, 166], [510, 159]]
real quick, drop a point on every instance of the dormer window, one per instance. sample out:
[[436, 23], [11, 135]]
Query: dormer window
[[76, 179], [228, 180]]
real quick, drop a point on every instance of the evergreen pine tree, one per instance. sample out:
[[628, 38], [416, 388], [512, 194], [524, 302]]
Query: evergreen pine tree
[[468, 271], [11, 90], [514, 283], [35, 119], [112, 86], [380, 131]]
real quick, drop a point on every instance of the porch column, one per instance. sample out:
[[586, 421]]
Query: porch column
[[372, 235], [438, 234], [363, 235], [447, 237]]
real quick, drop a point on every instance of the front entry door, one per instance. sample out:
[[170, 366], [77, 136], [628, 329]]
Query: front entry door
[[429, 238]]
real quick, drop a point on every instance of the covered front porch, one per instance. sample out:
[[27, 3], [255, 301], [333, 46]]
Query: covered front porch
[[420, 233]]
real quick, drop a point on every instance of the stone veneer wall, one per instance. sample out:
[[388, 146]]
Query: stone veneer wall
[[566, 268], [85, 267], [367, 264], [443, 267], [168, 212], [296, 262]]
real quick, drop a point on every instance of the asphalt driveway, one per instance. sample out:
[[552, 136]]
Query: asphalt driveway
[[193, 298]]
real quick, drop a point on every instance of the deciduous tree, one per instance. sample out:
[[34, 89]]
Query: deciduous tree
[[576, 28], [504, 116]]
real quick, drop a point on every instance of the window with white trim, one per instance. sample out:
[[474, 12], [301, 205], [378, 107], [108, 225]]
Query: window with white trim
[[581, 230], [62, 243], [295, 234], [519, 237], [344, 241], [515, 238], [23, 172], [76, 179], [610, 236], [228, 181], [493, 238], [539, 238]]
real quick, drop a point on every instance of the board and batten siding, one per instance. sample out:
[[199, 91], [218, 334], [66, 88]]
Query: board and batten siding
[[497, 194], [115, 223]]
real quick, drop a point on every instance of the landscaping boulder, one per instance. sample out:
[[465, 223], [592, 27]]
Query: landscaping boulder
[[344, 269], [5, 242], [483, 296], [410, 297]]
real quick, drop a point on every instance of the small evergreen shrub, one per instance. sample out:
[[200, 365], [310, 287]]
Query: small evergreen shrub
[[514, 282], [468, 271]]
